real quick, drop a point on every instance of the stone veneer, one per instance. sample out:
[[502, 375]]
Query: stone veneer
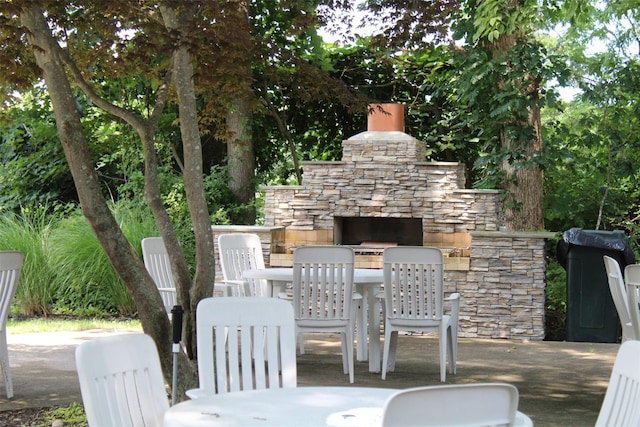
[[503, 292], [501, 276], [383, 174]]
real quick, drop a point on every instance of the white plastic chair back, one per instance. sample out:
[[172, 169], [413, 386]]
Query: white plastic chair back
[[414, 301], [121, 381], [240, 252], [323, 295], [10, 266], [632, 279], [156, 261], [621, 404], [228, 331], [620, 298], [479, 404]]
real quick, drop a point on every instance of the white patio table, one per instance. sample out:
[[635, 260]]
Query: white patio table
[[367, 282], [282, 407]]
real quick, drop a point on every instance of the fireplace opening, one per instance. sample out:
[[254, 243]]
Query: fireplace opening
[[377, 231]]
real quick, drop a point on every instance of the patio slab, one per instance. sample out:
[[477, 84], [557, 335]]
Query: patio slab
[[560, 383]]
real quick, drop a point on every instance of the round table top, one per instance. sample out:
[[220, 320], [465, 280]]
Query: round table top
[[299, 406]]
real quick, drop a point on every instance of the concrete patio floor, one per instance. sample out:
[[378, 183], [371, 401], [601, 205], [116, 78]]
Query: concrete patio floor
[[560, 383]]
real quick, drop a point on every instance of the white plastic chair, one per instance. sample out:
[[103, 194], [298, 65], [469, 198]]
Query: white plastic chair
[[621, 299], [323, 297], [227, 331], [121, 381], [10, 266], [479, 404], [156, 260], [621, 404], [239, 252], [632, 279], [414, 301]]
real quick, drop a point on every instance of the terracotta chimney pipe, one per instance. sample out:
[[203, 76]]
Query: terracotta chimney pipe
[[386, 117]]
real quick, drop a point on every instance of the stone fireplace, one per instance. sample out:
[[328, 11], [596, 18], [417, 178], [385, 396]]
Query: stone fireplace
[[383, 192]]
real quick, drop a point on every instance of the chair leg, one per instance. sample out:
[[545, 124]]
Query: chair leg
[[7, 380], [348, 338], [388, 333], [393, 346], [301, 343], [453, 350], [350, 356], [443, 339], [6, 369], [345, 351]]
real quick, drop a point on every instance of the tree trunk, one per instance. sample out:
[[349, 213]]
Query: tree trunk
[[146, 130], [179, 266], [524, 209], [240, 151], [94, 207], [241, 159], [524, 179], [182, 78]]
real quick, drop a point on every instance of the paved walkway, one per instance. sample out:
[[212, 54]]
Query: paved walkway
[[560, 384]]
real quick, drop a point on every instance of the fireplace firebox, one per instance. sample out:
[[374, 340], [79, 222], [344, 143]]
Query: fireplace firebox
[[382, 231]]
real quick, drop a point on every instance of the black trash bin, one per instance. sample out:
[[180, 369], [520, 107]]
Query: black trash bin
[[591, 313]]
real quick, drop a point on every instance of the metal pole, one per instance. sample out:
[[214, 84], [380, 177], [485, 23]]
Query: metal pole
[[176, 320]]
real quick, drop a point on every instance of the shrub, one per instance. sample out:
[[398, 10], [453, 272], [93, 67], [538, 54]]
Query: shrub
[[29, 233], [88, 283]]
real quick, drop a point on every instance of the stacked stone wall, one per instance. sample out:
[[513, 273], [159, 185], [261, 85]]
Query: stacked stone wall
[[503, 292], [384, 178]]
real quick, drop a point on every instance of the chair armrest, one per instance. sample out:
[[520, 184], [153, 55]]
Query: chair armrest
[[221, 289], [285, 295], [167, 290], [196, 393], [237, 287], [234, 282]]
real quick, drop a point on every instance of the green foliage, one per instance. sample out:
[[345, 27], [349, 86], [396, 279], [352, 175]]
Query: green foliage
[[592, 176], [71, 416], [29, 233], [555, 294], [307, 109], [495, 18], [436, 115], [32, 163], [84, 270], [65, 270], [498, 103], [556, 290]]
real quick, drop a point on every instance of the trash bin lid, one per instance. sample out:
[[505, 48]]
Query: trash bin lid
[[615, 240]]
